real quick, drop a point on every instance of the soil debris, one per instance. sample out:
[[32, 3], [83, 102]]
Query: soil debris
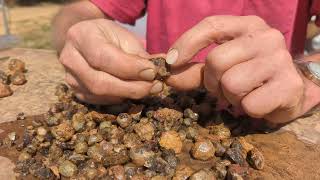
[[140, 139]]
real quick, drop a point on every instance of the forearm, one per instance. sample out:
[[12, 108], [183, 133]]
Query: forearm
[[70, 15]]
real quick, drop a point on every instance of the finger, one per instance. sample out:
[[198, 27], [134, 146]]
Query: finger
[[210, 81], [242, 78], [229, 54], [273, 100], [101, 83], [291, 101], [283, 115], [186, 78], [74, 82], [214, 29], [105, 84], [122, 37], [92, 99], [149, 56], [82, 94], [102, 30], [73, 62], [243, 49], [117, 54], [114, 61], [213, 87], [261, 101]]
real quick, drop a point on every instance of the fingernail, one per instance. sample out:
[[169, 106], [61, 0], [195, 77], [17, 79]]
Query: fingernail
[[172, 56], [156, 88], [147, 74]]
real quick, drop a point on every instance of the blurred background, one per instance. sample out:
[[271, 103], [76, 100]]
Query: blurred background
[[30, 22]]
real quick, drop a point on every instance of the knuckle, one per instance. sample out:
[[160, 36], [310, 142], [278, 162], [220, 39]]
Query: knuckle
[[212, 22], [209, 20], [69, 80], [136, 95], [63, 60], [73, 33], [63, 56], [138, 92], [80, 30], [248, 105], [97, 87], [256, 20], [215, 62], [96, 58], [283, 56], [101, 57], [274, 35], [296, 84], [299, 83], [68, 57], [231, 84]]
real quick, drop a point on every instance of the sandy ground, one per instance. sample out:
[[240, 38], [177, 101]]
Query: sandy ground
[[32, 25]]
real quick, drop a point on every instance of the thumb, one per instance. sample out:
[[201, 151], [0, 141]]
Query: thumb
[[214, 29]]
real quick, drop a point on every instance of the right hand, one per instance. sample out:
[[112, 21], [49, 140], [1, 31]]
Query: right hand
[[105, 63]]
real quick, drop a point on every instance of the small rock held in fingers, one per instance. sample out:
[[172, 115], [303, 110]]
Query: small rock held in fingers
[[162, 68]]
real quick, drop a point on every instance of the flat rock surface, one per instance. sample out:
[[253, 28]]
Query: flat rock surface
[[6, 168], [291, 153], [307, 129], [34, 97], [286, 157]]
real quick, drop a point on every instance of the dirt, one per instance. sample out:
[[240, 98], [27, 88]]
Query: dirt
[[34, 97], [18, 127], [285, 156], [32, 24]]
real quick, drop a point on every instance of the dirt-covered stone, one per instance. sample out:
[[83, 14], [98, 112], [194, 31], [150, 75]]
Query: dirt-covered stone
[[183, 172], [255, 159], [171, 140], [203, 150], [203, 174], [160, 137]]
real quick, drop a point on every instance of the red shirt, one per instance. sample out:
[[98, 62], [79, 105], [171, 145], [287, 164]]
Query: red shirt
[[168, 19]]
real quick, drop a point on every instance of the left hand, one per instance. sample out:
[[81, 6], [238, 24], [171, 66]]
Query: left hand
[[251, 69]]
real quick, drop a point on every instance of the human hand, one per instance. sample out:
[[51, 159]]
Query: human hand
[[105, 63], [251, 68]]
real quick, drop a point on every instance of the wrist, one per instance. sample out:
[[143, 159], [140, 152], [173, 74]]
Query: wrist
[[311, 95]]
